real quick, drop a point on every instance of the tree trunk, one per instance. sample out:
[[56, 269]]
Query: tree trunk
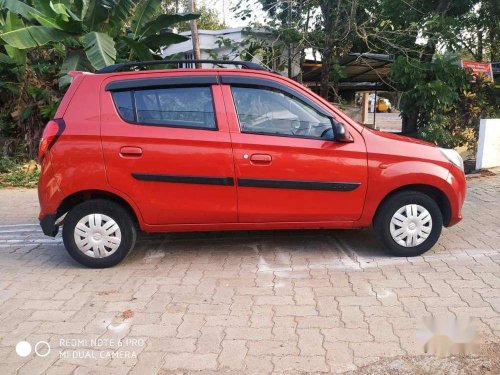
[[410, 120], [289, 21], [480, 48], [325, 74], [494, 32], [339, 18], [326, 63], [410, 127], [302, 50]]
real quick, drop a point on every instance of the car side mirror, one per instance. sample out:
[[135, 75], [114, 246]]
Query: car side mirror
[[340, 133]]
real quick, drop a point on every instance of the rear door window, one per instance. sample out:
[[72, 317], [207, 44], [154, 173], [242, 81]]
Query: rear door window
[[189, 107]]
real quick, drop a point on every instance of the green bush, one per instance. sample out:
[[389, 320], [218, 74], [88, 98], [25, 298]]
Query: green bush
[[7, 164], [445, 100], [439, 132]]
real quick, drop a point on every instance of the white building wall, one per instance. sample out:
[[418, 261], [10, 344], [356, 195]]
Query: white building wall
[[209, 45]]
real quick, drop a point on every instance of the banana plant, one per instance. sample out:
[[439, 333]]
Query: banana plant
[[94, 33], [12, 60]]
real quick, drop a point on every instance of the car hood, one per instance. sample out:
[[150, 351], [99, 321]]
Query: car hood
[[400, 137], [392, 147]]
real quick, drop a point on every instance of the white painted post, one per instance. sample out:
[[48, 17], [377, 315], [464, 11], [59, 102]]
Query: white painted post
[[364, 108], [488, 150]]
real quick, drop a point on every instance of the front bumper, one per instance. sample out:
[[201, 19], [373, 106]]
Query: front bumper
[[458, 183], [48, 224]]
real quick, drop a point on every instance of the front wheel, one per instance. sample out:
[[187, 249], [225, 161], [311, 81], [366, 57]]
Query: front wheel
[[98, 233], [408, 223]]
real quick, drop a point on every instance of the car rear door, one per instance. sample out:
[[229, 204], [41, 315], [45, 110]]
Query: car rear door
[[286, 168], [166, 145]]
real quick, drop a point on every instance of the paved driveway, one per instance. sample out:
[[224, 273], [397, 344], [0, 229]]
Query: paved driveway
[[288, 302]]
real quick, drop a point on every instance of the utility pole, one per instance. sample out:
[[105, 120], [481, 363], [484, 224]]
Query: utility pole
[[194, 34]]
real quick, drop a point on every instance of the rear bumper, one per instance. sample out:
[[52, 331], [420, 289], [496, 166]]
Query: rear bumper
[[48, 224], [49, 197]]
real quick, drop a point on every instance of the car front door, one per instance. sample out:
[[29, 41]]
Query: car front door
[[166, 145], [288, 168]]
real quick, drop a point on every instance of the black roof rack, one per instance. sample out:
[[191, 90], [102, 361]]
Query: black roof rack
[[120, 67]]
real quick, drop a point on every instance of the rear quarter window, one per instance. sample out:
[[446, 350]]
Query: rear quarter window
[[190, 107], [123, 101]]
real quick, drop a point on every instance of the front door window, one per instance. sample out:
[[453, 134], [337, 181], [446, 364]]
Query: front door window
[[273, 112]]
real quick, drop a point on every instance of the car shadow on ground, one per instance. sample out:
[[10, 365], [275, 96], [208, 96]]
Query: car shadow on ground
[[318, 247], [313, 243]]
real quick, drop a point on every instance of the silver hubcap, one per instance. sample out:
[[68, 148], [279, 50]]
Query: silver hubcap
[[411, 225], [97, 235]]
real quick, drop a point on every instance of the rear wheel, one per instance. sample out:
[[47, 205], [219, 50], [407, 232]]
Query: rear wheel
[[408, 223], [98, 233]]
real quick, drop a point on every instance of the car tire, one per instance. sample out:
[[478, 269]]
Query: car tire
[[408, 223], [104, 230]]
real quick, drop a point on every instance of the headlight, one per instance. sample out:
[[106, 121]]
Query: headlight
[[453, 156]]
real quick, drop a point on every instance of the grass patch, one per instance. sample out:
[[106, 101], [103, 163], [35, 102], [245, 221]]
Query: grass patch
[[16, 174]]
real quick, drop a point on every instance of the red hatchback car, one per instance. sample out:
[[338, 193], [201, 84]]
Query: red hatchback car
[[174, 150]]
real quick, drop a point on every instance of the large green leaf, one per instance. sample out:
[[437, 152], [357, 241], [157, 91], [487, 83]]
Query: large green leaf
[[32, 36], [144, 12], [100, 49], [19, 7], [13, 22], [60, 9], [120, 12], [69, 26], [137, 49], [155, 42], [97, 13], [75, 60], [164, 21], [44, 14], [18, 55], [6, 60], [47, 20], [80, 8]]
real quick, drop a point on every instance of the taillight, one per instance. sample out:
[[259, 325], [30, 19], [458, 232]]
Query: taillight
[[52, 131]]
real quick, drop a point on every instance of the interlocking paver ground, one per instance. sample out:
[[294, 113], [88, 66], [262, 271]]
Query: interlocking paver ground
[[283, 302]]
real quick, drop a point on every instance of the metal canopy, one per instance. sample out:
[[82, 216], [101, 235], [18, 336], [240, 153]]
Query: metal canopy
[[363, 71]]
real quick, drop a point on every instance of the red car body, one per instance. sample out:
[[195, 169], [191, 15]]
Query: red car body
[[89, 151]]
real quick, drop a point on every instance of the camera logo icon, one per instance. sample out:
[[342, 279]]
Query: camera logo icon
[[24, 348]]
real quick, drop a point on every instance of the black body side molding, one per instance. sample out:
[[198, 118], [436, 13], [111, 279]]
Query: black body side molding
[[298, 184], [200, 180]]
